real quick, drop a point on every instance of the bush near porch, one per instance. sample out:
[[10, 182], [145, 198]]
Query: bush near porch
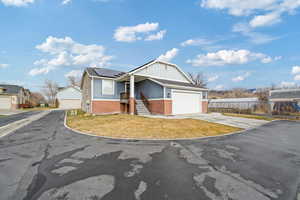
[[138, 127]]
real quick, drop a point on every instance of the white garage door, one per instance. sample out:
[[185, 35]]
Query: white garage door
[[5, 102], [69, 104], [185, 102]]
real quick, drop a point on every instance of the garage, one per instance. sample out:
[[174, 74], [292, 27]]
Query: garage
[[186, 102], [5, 102], [69, 98], [69, 104]]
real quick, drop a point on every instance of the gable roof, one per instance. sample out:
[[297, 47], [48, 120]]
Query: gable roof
[[163, 62], [164, 82], [11, 89], [103, 72], [109, 73], [285, 94]]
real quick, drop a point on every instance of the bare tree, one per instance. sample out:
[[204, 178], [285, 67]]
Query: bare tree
[[50, 89], [74, 81], [36, 99], [198, 79]]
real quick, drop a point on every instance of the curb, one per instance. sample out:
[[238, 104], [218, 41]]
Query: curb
[[157, 140]]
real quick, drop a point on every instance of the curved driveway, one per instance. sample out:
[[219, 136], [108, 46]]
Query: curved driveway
[[44, 160]]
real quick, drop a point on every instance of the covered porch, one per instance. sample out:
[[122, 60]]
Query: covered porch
[[131, 92]]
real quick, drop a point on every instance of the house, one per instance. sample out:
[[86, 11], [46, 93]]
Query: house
[[156, 87], [280, 99], [13, 96], [236, 103], [69, 98]]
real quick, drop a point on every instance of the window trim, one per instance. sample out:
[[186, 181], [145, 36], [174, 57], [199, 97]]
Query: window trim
[[113, 87]]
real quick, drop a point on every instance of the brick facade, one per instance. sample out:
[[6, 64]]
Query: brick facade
[[162, 107], [204, 106], [106, 107]]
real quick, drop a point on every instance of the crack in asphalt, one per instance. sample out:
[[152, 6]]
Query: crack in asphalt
[[62, 163]]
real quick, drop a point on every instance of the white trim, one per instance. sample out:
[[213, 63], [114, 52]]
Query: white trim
[[186, 87], [185, 91], [92, 95], [103, 77], [164, 93], [178, 86], [155, 99], [156, 77], [132, 92]]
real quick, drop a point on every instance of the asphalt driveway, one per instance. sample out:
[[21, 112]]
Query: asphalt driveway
[[44, 160]]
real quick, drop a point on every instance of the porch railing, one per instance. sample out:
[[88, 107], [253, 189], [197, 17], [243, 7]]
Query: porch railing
[[124, 97], [145, 100]]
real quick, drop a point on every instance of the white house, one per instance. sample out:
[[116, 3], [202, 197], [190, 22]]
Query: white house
[[69, 98]]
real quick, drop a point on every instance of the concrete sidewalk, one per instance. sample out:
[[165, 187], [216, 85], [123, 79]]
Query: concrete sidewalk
[[239, 122]]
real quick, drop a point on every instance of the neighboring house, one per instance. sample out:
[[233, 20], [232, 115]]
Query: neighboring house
[[69, 98], [280, 98], [237, 103], [13, 96], [156, 87]]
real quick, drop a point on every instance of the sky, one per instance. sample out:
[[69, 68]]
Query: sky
[[234, 43]]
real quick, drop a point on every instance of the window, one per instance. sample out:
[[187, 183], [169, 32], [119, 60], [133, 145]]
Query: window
[[108, 87], [204, 95]]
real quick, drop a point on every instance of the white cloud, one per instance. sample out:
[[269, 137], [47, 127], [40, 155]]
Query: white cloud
[[138, 32], [238, 7], [158, 36], [169, 55], [17, 3], [255, 37], [297, 77], [241, 77], [228, 57], [265, 20], [3, 65], [272, 9], [65, 2], [67, 52], [296, 70], [285, 84], [197, 42], [267, 60], [220, 87], [212, 78], [74, 73]]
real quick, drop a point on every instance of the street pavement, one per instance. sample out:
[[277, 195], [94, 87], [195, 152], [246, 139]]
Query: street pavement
[[44, 160], [16, 117]]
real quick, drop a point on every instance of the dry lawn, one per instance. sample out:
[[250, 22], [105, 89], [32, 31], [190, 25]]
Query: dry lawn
[[128, 126]]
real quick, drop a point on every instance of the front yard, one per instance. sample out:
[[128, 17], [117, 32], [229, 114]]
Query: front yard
[[132, 126]]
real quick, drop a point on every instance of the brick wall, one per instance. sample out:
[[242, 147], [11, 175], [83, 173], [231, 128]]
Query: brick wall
[[162, 107], [106, 107]]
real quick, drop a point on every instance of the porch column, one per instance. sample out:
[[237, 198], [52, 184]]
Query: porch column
[[131, 98]]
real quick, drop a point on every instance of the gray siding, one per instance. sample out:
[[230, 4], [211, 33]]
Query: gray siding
[[168, 93], [150, 89], [119, 87]]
